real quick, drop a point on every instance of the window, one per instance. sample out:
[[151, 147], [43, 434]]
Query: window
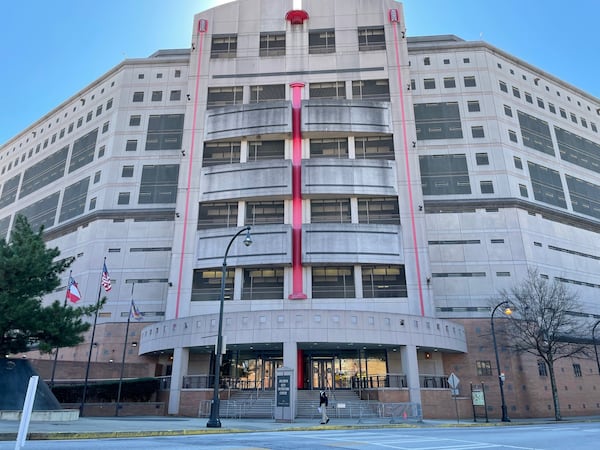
[[573, 118], [329, 148], [267, 93], [79, 122], [272, 44], [268, 212], [101, 151], [384, 281], [426, 61], [330, 210], [380, 210], [516, 92], [528, 98], [135, 121], [123, 198], [62, 134], [503, 86], [583, 122], [70, 129], [89, 116], [263, 283], [477, 132], [508, 111], [321, 41], [523, 191], [484, 368], [333, 282], [563, 113], [156, 96], [222, 46], [127, 172], [374, 147], [105, 127], [261, 150], [109, 104], [542, 371], [577, 369], [221, 96], [466, 60], [206, 285], [175, 95], [512, 136], [220, 153], [470, 81], [449, 82], [540, 103], [482, 159], [158, 183], [371, 90], [333, 90], [446, 61], [140, 76], [138, 96], [594, 127], [92, 204], [371, 38], [473, 106], [165, 132], [217, 215], [178, 74], [159, 75], [131, 145], [486, 187], [429, 83], [99, 110], [97, 176]]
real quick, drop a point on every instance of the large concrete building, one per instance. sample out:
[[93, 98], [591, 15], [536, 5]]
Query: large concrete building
[[393, 185]]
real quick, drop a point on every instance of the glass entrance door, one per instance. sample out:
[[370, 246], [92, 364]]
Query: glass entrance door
[[322, 373]]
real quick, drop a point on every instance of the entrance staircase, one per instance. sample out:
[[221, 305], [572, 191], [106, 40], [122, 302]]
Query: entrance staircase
[[261, 404]]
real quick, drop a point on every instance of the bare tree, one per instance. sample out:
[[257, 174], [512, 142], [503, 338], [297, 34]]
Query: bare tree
[[547, 322]]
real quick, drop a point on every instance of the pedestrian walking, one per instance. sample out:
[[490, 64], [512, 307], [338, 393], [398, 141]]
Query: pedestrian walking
[[323, 403]]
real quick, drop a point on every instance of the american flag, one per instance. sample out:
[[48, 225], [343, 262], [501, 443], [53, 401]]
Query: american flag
[[106, 279]]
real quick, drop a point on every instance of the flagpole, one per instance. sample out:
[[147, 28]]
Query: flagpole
[[87, 369], [56, 352], [124, 352]]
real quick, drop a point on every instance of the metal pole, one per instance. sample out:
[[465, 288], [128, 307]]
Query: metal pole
[[500, 376], [56, 351], [117, 407], [595, 346], [214, 421]]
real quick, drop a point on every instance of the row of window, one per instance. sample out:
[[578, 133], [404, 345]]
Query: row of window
[[156, 96], [273, 43], [541, 104], [264, 283], [448, 83], [381, 210], [361, 89], [57, 136], [484, 369], [372, 147]]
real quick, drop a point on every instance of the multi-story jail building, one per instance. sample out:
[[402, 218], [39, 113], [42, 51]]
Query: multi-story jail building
[[393, 184]]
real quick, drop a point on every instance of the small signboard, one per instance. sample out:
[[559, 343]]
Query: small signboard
[[283, 390], [478, 398], [453, 381]]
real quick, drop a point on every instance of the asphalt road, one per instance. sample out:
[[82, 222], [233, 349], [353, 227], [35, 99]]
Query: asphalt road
[[560, 436]]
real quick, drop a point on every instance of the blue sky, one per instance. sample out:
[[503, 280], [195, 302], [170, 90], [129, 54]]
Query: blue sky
[[52, 49]]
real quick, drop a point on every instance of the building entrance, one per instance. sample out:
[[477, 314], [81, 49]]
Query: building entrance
[[322, 373]]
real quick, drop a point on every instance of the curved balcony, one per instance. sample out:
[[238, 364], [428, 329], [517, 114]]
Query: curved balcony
[[249, 121], [351, 243], [349, 177], [272, 178], [321, 116]]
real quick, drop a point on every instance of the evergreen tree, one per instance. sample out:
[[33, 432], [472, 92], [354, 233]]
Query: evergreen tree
[[28, 271]]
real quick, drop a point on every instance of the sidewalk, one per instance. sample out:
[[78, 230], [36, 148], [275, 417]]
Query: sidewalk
[[111, 427]]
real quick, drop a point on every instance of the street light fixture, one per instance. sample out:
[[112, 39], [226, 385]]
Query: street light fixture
[[214, 421], [508, 312], [595, 346]]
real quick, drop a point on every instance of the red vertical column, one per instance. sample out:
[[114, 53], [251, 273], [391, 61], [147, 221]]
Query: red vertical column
[[297, 285], [394, 19], [202, 28]]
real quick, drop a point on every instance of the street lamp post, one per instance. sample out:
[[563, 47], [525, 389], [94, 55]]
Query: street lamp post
[[500, 374], [214, 421], [595, 346]]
